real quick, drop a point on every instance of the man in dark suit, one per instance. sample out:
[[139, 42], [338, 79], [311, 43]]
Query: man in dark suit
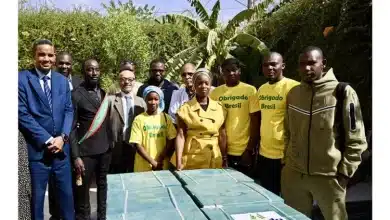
[[123, 108], [64, 64], [93, 155], [45, 120], [157, 78]]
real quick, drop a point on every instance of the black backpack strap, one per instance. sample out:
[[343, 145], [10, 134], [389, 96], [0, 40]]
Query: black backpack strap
[[339, 119]]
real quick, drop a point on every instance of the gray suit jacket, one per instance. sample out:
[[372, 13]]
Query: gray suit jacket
[[116, 115]]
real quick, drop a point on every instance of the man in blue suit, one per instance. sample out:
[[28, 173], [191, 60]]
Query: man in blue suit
[[45, 120]]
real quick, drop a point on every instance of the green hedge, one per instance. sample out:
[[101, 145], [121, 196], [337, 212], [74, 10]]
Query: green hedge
[[301, 23], [108, 38]]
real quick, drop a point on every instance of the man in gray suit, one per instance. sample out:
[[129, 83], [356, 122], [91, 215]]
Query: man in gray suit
[[124, 107]]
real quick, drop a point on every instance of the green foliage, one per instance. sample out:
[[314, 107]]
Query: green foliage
[[300, 23], [125, 32], [215, 42]]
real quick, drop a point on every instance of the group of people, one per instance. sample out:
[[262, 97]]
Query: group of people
[[309, 140]]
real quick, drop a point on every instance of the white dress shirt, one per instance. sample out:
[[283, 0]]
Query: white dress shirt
[[70, 82], [125, 113], [179, 97], [41, 75]]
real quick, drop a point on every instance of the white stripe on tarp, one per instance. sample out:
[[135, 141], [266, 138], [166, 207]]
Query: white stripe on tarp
[[123, 182], [230, 175], [258, 191], [183, 172], [225, 213], [125, 203], [172, 197], [285, 215], [161, 182]]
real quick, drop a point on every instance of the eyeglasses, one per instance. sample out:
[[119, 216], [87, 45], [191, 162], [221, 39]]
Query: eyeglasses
[[127, 79]]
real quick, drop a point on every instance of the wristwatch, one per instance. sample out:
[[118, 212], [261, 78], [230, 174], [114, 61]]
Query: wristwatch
[[65, 137]]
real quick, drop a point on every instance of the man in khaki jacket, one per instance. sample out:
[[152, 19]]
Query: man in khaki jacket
[[317, 165], [124, 107]]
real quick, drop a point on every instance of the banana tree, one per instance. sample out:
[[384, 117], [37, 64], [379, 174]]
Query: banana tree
[[216, 41]]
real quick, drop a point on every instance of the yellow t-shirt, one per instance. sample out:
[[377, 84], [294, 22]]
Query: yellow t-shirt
[[238, 103], [272, 104], [151, 132]]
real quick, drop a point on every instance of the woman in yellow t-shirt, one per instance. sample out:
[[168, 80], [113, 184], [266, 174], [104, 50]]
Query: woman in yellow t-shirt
[[201, 139], [152, 132]]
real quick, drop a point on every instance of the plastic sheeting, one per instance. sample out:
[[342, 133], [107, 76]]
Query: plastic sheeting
[[230, 194], [202, 176]]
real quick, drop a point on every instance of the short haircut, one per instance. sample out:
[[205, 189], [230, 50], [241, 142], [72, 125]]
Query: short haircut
[[313, 48], [273, 53], [41, 42], [64, 53], [126, 61], [83, 64], [158, 60], [231, 61]]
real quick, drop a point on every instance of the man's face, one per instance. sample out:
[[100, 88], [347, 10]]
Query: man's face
[[186, 75], [92, 72], [44, 57], [311, 66], [157, 72], [64, 65], [126, 81], [231, 74], [273, 67]]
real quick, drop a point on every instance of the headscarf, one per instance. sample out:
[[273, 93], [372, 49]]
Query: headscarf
[[201, 72], [149, 89]]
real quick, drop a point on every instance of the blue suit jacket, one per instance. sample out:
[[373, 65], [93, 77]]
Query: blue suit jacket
[[36, 121]]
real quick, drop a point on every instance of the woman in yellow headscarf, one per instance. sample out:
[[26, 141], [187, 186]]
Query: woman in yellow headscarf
[[201, 135]]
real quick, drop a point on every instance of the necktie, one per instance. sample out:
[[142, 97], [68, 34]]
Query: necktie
[[70, 84], [47, 90], [129, 112]]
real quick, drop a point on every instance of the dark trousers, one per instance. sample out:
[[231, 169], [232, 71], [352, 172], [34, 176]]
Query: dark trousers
[[123, 156], [270, 171], [40, 173], [54, 208], [98, 165], [234, 162]]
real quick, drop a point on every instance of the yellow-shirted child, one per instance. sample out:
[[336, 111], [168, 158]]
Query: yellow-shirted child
[[153, 133]]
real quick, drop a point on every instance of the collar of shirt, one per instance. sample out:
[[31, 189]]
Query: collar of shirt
[[128, 95], [41, 75], [70, 77]]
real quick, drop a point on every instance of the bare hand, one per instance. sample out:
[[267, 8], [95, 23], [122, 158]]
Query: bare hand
[[79, 166], [179, 166], [56, 145], [246, 158], [225, 163], [156, 165]]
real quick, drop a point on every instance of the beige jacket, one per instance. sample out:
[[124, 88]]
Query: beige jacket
[[311, 136]]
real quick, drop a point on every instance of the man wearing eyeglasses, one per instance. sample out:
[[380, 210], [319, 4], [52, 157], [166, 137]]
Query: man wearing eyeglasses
[[123, 108], [130, 65], [157, 78], [179, 97]]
